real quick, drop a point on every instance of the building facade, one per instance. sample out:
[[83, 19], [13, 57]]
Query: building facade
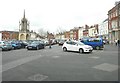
[[74, 33], [9, 35], [80, 32], [86, 31], [50, 36], [93, 31], [103, 29], [114, 23], [67, 34]]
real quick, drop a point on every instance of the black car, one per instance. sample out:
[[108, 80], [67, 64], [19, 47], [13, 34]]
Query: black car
[[23, 44], [36, 45], [61, 42]]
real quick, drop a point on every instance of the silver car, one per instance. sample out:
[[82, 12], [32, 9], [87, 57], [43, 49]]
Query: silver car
[[5, 45]]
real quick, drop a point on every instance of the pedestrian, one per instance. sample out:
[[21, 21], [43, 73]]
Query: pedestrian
[[50, 41], [116, 42]]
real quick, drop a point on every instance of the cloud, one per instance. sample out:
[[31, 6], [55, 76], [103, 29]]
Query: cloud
[[51, 14]]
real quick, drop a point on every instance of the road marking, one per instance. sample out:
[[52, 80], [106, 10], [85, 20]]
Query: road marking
[[16, 63], [38, 77], [55, 56], [98, 51], [94, 57], [106, 67]]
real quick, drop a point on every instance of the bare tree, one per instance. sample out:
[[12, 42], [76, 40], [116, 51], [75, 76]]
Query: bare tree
[[42, 32], [60, 30]]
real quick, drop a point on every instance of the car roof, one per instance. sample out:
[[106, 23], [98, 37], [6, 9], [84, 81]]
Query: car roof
[[2, 41]]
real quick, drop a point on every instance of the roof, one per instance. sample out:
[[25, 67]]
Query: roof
[[9, 31]]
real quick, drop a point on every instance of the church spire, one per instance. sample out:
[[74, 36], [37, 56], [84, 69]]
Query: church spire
[[24, 14]]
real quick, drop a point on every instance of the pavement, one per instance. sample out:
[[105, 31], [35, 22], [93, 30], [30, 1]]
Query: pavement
[[55, 65]]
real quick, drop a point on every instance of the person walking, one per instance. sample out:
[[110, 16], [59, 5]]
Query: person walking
[[50, 41], [116, 42]]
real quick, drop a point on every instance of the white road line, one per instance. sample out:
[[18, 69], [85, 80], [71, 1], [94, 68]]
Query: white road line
[[38, 77], [94, 57], [16, 63], [55, 56]]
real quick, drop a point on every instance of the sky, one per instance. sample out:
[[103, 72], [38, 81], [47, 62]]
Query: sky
[[50, 15]]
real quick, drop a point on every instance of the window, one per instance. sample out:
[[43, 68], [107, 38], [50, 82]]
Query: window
[[93, 40], [114, 24], [119, 11], [68, 42], [71, 43], [119, 22], [116, 13]]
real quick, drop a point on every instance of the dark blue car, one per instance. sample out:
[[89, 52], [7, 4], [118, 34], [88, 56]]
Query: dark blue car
[[36, 45]]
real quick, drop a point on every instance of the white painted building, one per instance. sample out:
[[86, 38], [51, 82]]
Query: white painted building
[[103, 29], [62, 36], [33, 36], [80, 32], [92, 31]]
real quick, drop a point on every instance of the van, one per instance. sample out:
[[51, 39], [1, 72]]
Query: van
[[96, 43]]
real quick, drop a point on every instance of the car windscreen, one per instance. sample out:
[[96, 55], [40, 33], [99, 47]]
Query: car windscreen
[[34, 43], [80, 43]]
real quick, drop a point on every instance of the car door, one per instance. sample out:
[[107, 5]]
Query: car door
[[74, 46], [68, 45], [71, 46]]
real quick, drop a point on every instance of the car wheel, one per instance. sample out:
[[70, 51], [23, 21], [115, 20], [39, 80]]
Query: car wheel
[[13, 48], [37, 48], [0, 49], [64, 49], [81, 50], [97, 48]]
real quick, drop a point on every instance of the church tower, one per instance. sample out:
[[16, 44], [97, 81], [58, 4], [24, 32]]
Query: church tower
[[24, 33]]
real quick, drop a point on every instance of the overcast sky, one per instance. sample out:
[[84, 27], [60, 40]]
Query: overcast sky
[[52, 14]]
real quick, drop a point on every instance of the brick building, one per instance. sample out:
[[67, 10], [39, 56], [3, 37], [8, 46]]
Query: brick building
[[9, 35], [86, 31], [50, 36], [114, 23], [67, 34]]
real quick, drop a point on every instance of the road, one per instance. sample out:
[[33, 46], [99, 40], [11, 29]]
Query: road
[[56, 65]]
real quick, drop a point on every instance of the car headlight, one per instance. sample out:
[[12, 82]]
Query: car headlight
[[88, 47], [34, 46]]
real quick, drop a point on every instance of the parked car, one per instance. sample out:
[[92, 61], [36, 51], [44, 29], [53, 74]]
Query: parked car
[[35, 45], [61, 42], [23, 44], [46, 42], [15, 45], [54, 41], [76, 46], [5, 45]]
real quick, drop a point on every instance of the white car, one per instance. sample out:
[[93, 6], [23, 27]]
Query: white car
[[76, 46]]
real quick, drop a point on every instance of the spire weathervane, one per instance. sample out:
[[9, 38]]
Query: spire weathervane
[[24, 13]]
